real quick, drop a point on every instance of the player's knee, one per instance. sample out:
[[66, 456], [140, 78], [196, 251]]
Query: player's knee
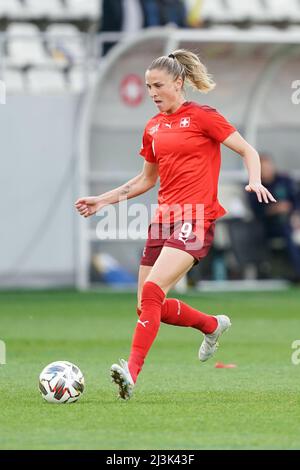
[[160, 282]]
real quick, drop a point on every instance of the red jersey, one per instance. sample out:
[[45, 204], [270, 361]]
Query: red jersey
[[186, 147]]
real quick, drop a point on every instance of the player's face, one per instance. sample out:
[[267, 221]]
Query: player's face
[[164, 90]]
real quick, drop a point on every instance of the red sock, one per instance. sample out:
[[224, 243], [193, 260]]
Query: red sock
[[147, 327], [175, 312]]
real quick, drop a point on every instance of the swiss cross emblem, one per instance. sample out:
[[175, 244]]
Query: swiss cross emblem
[[132, 90], [185, 122]]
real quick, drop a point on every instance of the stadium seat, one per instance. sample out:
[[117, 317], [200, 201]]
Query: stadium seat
[[65, 44], [80, 79], [14, 81], [214, 11], [83, 9], [24, 46], [46, 81], [265, 29], [77, 80], [279, 11], [11, 9], [253, 11], [293, 29], [225, 29], [50, 9]]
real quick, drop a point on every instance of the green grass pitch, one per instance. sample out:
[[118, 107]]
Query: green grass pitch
[[179, 403]]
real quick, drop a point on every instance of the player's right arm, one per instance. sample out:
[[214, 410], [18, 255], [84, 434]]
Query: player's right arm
[[140, 184]]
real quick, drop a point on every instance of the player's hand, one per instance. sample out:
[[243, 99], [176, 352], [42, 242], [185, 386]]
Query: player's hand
[[263, 195], [88, 206]]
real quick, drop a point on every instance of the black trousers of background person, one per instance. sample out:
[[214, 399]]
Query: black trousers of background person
[[156, 13], [112, 20], [162, 12]]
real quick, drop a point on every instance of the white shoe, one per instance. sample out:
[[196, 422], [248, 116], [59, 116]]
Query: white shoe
[[209, 344], [121, 376]]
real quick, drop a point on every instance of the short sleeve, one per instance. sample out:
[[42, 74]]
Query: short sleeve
[[215, 125], [146, 150]]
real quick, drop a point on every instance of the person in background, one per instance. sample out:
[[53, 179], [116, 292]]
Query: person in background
[[280, 220], [164, 12], [193, 14], [111, 21], [129, 16]]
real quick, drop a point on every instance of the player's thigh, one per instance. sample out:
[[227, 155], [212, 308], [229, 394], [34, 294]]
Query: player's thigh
[[169, 267], [143, 274]]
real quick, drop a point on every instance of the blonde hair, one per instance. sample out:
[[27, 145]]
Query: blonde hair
[[187, 65]]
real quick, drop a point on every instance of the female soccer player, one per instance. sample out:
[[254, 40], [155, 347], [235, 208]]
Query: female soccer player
[[181, 145]]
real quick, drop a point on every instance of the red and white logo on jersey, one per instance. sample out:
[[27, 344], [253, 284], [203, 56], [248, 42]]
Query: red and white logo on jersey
[[185, 122]]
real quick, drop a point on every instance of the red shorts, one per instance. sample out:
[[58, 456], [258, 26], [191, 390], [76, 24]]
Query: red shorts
[[195, 237]]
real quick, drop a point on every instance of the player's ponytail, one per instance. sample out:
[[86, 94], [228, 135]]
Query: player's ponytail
[[195, 72], [187, 65]]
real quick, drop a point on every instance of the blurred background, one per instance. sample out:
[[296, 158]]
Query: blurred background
[[73, 106]]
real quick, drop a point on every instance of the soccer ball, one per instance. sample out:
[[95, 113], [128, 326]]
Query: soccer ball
[[61, 382]]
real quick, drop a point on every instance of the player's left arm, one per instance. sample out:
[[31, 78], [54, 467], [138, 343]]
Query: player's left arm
[[252, 162]]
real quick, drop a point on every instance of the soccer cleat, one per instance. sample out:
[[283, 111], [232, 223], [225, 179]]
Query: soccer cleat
[[210, 343], [121, 376]]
